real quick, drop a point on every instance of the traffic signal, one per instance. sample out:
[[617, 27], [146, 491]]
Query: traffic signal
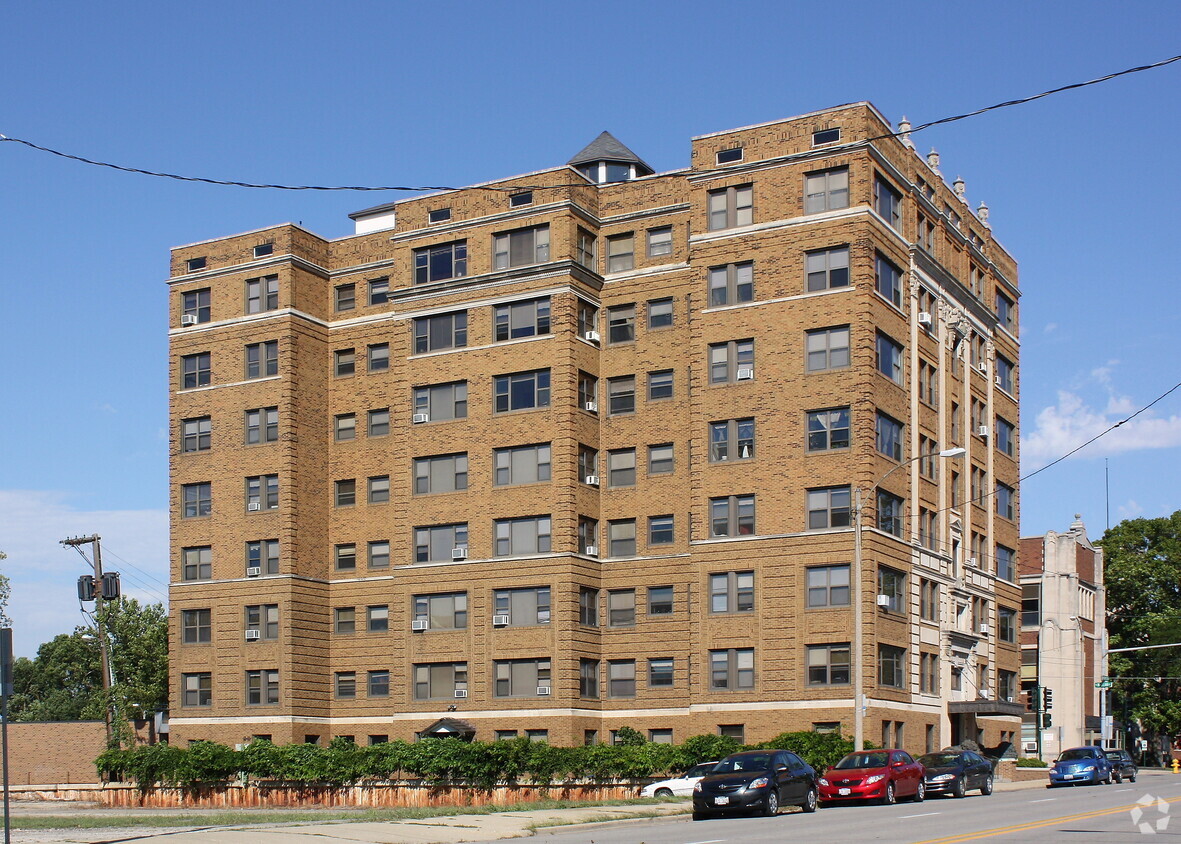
[[86, 588], [1033, 701], [1047, 699], [1047, 721]]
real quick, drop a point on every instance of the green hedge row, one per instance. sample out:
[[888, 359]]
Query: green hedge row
[[446, 761]]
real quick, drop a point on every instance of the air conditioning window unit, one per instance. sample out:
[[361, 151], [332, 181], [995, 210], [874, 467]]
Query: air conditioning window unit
[[188, 319], [253, 571], [500, 621], [745, 373], [982, 366], [982, 430], [419, 418], [593, 480], [925, 319], [420, 624], [971, 561], [592, 406], [592, 550], [461, 692], [883, 600], [253, 505], [593, 336], [984, 629], [459, 553], [1029, 746], [543, 690], [253, 635]]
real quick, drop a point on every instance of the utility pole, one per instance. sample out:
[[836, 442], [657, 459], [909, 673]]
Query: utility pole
[[98, 587]]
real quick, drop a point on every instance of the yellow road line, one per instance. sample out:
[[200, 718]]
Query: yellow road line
[[1024, 827]]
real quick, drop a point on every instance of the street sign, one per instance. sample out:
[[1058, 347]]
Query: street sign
[[1103, 684]]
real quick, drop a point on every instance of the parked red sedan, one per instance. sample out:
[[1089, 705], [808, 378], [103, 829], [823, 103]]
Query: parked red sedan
[[884, 775]]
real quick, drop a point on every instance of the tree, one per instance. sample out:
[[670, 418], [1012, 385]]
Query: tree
[[62, 683], [5, 595], [1142, 573], [139, 656]]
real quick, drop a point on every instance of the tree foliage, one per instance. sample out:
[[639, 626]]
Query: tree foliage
[[5, 596], [1142, 574]]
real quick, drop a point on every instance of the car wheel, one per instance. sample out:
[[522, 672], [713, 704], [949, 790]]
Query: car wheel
[[809, 804], [890, 798], [1119, 778], [699, 816], [1132, 778], [771, 807], [959, 789], [921, 793], [986, 789]]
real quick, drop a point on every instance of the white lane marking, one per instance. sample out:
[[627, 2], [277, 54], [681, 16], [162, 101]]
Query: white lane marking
[[1120, 790], [923, 815], [1043, 800], [711, 841]]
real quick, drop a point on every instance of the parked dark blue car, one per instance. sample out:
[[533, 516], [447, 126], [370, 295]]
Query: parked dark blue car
[[1079, 765]]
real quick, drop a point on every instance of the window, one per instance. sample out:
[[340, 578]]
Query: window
[[660, 600], [262, 294], [262, 359], [661, 673], [979, 478], [828, 586], [346, 557], [195, 264], [588, 462], [1006, 312], [522, 536], [346, 684], [1006, 506], [438, 215], [443, 331], [344, 426], [588, 536], [929, 673], [621, 537], [731, 207], [731, 284], [263, 618], [262, 687], [621, 608], [734, 731], [379, 357], [733, 361], [889, 358], [588, 678], [660, 459], [345, 492], [527, 464], [1031, 604], [733, 668], [521, 677], [520, 248], [345, 297], [926, 233], [732, 591], [195, 434], [439, 543], [587, 252], [1004, 373], [516, 200], [379, 291], [828, 429], [441, 262], [263, 554], [588, 392], [621, 467], [621, 251], [729, 156], [731, 439], [928, 529], [379, 422], [1006, 437], [588, 606], [262, 492], [888, 203], [378, 686], [1007, 624], [1006, 563], [442, 402], [889, 280], [928, 384], [345, 619], [828, 269], [828, 508], [195, 371], [892, 584], [660, 384], [521, 391], [825, 136], [928, 600], [1006, 686], [621, 324], [827, 348], [442, 612], [439, 680], [442, 473], [659, 313], [197, 689], [660, 241], [197, 499], [379, 554], [195, 304], [827, 190], [621, 678], [891, 666], [828, 665], [262, 425], [621, 395], [379, 489], [732, 515], [344, 362], [195, 627], [522, 319]]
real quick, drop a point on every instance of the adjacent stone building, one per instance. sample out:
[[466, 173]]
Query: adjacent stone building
[[582, 448]]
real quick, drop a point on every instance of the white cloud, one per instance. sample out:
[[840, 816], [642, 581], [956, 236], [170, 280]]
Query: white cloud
[[1072, 421], [1129, 510], [44, 573], [1050, 328]]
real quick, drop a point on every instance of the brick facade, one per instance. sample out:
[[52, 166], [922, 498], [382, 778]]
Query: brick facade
[[951, 274]]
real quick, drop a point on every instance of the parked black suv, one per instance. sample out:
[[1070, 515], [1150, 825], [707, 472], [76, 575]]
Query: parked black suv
[[756, 781], [1122, 766]]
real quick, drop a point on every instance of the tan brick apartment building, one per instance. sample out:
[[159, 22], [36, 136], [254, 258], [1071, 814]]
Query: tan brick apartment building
[[579, 449]]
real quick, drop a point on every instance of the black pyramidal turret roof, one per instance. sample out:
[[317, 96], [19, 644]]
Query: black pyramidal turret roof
[[607, 147]]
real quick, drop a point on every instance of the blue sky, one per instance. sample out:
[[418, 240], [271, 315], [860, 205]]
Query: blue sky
[[1082, 188]]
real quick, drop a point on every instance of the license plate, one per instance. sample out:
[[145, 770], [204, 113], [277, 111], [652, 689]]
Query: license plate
[[844, 791], [1068, 776], [721, 801]]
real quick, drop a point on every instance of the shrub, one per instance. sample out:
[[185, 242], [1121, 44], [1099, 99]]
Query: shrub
[[1031, 762], [820, 750]]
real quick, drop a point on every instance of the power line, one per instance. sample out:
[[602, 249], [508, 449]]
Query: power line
[[421, 188]]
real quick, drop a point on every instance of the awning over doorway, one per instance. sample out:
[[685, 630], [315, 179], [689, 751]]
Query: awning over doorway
[[985, 706], [449, 728]]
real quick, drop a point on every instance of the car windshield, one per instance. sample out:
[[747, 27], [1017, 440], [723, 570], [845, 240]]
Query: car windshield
[[1076, 753], [756, 762], [700, 770], [937, 760], [864, 760]]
